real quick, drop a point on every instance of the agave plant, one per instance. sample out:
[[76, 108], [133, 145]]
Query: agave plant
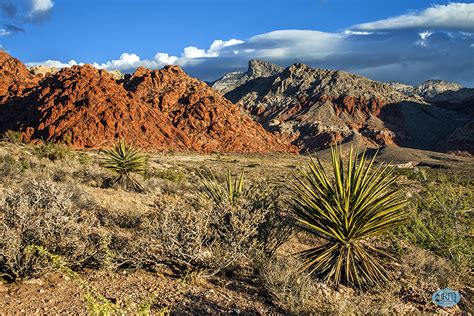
[[228, 192], [125, 160], [358, 204]]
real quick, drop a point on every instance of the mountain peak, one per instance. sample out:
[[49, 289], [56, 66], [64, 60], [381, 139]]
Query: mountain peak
[[256, 69], [260, 68]]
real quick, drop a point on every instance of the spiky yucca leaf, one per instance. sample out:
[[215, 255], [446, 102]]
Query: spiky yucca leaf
[[359, 203], [125, 160], [229, 192]]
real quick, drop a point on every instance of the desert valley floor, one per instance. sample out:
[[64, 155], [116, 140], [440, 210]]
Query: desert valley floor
[[131, 277]]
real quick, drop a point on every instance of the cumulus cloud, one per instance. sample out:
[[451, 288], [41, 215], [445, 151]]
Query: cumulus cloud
[[54, 63], [432, 44], [127, 62], [39, 9], [453, 16]]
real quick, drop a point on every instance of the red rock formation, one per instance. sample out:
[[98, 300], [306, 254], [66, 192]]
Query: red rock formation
[[14, 77], [161, 110], [211, 121]]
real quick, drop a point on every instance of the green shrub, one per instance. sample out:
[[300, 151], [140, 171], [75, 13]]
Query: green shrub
[[357, 205], [9, 166], [232, 189], [12, 136], [442, 220], [53, 151], [171, 174], [124, 160]]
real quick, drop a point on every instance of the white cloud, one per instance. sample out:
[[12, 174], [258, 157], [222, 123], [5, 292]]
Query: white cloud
[[214, 50], [4, 32], [423, 38], [453, 16], [301, 43], [165, 59], [127, 62], [217, 45], [350, 32], [381, 53], [54, 63], [41, 6], [194, 52]]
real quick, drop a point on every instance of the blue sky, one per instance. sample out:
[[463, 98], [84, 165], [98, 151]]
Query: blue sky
[[407, 41]]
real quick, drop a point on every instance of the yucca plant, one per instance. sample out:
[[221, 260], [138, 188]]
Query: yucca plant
[[347, 211], [230, 191], [124, 160]]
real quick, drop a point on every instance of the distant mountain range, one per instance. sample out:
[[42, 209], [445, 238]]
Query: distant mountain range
[[319, 107], [264, 109]]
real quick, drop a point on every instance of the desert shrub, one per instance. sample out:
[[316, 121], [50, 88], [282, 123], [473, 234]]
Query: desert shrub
[[346, 212], [12, 136], [9, 166], [218, 237], [49, 215], [84, 159], [418, 275], [171, 174], [441, 222], [125, 160], [91, 175], [294, 290], [417, 174], [53, 151]]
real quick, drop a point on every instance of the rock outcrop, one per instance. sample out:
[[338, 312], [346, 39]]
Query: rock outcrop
[[319, 107], [14, 77], [206, 117], [164, 110], [42, 70], [429, 89], [256, 69]]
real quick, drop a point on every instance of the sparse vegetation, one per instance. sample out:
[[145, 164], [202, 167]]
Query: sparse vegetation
[[211, 242], [224, 231], [53, 151], [12, 136], [357, 205], [125, 160], [442, 220], [49, 215]]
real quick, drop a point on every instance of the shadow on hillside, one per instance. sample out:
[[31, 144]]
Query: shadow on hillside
[[421, 126]]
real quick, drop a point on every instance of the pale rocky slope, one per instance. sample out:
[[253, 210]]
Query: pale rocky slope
[[320, 107], [429, 89]]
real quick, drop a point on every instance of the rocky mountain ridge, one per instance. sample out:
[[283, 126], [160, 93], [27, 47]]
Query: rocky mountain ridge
[[429, 89], [256, 69], [164, 110], [320, 107]]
